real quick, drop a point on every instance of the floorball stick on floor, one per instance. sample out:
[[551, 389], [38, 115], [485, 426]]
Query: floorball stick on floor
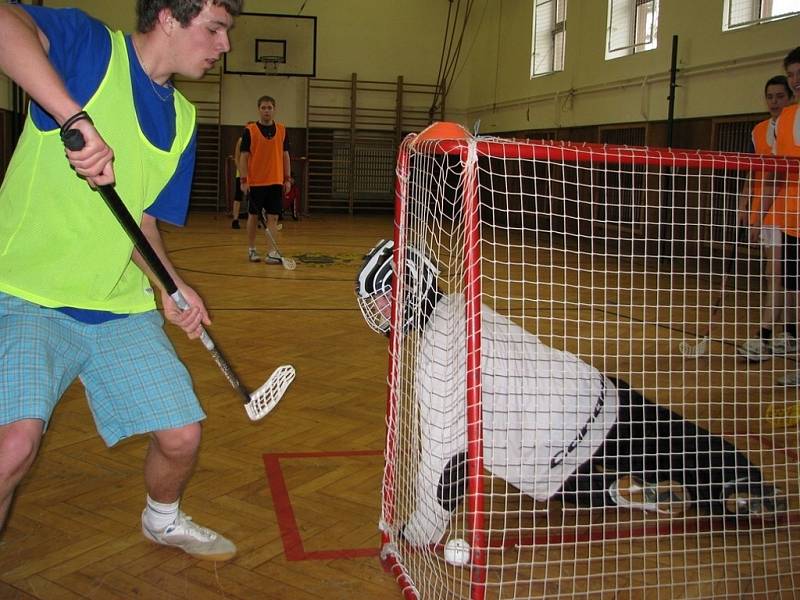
[[288, 263], [257, 404], [700, 348]]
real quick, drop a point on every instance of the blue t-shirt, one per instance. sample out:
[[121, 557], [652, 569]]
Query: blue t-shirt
[[80, 50]]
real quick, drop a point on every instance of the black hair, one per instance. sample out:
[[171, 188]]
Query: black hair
[[791, 58], [266, 99], [779, 80], [182, 10]]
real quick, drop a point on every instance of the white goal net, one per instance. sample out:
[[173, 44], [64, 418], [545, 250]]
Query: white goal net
[[569, 414]]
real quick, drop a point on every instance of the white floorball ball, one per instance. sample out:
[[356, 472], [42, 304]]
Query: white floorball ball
[[457, 552]]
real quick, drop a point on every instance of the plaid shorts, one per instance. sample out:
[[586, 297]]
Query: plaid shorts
[[134, 381]]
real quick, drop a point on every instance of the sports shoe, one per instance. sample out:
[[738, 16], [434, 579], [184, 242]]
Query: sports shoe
[[193, 539], [743, 498], [252, 255], [273, 254], [783, 344], [791, 379], [755, 350], [235, 224], [663, 497], [426, 525]]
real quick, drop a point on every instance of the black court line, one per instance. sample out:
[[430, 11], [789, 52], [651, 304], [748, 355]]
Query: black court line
[[631, 261]]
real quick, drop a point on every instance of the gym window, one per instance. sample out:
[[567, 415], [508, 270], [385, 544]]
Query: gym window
[[632, 27], [743, 13], [549, 36]]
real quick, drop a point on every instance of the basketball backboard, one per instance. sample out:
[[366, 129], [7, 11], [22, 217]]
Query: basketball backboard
[[272, 44]]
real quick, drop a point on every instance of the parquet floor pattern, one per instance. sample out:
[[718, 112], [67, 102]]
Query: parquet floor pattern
[[74, 529], [299, 492]]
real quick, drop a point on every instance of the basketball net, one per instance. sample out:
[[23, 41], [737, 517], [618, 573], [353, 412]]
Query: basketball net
[[270, 64]]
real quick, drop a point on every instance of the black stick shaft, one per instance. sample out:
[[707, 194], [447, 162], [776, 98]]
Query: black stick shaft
[[74, 141]]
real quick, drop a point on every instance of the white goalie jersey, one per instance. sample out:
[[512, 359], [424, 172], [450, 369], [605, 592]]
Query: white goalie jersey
[[545, 411]]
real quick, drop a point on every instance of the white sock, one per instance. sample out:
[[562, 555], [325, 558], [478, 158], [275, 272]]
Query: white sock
[[158, 515]]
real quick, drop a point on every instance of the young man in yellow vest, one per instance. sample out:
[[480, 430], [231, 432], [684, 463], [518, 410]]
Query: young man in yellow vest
[[787, 143], [74, 297], [265, 173], [765, 229]]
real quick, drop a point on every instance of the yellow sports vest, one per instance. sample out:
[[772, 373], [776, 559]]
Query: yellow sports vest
[[59, 243], [265, 166]]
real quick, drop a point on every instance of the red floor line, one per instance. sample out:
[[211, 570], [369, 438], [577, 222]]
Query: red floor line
[[293, 543], [287, 523], [290, 535]]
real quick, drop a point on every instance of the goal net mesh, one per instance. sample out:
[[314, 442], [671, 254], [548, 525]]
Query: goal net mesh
[[570, 401]]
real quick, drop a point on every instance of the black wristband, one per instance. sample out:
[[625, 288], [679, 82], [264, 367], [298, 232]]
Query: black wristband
[[79, 116]]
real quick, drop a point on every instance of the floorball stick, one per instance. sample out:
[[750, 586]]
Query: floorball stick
[[258, 403], [288, 263], [700, 348]]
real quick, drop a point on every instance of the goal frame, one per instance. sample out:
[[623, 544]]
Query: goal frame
[[468, 148]]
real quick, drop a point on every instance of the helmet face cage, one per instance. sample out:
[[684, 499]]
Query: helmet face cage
[[373, 287]]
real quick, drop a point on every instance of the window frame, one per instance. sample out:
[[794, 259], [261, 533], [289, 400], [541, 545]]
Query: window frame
[[761, 11], [556, 38], [639, 37]]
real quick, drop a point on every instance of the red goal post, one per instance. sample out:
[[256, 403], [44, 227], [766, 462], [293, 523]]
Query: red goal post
[[612, 254]]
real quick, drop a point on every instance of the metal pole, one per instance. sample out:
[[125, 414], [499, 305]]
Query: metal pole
[[673, 71]]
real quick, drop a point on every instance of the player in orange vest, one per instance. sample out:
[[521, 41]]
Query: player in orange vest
[[765, 229], [787, 143], [264, 173]]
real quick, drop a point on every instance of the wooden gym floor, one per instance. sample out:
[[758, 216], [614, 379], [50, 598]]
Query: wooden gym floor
[[299, 492]]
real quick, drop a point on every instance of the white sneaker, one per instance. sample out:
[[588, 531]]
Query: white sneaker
[[426, 525], [755, 350], [252, 255], [663, 497], [272, 258], [197, 541], [783, 344], [791, 379]]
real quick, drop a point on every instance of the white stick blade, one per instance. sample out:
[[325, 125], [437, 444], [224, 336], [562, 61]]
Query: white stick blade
[[288, 263], [265, 398], [694, 351]]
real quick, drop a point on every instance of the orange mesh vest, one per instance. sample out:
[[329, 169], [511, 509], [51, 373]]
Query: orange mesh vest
[[265, 166], [787, 143], [763, 136]]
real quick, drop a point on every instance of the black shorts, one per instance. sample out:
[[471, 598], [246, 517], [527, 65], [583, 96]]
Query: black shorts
[[791, 277], [237, 189], [266, 197]]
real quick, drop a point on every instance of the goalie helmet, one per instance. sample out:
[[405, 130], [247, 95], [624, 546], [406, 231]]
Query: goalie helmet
[[374, 287]]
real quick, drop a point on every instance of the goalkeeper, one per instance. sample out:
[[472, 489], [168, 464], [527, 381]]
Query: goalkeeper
[[553, 425]]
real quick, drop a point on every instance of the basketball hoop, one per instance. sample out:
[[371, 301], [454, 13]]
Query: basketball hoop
[[270, 64]]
